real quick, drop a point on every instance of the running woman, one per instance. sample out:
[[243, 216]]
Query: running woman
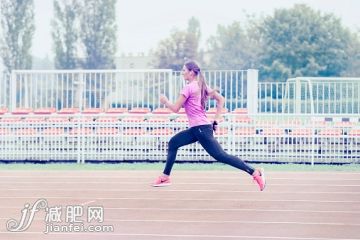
[[193, 98]]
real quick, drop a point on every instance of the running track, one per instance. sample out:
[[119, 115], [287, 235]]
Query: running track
[[199, 205]]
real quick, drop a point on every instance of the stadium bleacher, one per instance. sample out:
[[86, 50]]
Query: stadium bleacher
[[62, 133]]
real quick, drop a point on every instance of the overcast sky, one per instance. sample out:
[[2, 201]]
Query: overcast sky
[[143, 23]]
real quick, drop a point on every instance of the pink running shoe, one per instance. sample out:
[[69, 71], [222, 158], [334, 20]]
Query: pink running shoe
[[260, 179], [162, 181]]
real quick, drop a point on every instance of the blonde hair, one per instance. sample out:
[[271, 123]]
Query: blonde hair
[[194, 67]]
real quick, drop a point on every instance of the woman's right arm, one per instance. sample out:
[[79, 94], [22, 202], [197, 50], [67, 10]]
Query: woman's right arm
[[173, 107]]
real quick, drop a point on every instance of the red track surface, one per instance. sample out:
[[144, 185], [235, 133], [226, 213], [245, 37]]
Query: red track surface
[[199, 205]]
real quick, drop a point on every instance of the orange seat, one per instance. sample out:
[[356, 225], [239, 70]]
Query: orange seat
[[266, 123], [137, 119], [354, 132], [92, 110], [343, 124], [182, 119], [5, 131], [82, 131], [318, 123], [26, 131], [49, 110], [162, 131], [241, 119], [69, 111], [57, 119], [161, 111], [116, 110], [221, 131], [3, 110], [10, 119], [107, 131], [289, 123], [34, 119], [138, 110], [81, 119], [245, 131], [214, 110], [272, 131], [240, 111], [53, 131], [329, 132], [157, 119], [22, 111], [133, 131], [301, 132], [106, 119]]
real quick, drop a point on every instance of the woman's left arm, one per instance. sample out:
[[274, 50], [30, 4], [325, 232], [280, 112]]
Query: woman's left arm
[[220, 101]]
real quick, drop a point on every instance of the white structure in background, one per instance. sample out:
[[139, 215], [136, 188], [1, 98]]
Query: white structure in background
[[134, 61]]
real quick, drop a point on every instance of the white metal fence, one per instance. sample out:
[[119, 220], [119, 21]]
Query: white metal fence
[[80, 137], [114, 88], [302, 120], [311, 96]]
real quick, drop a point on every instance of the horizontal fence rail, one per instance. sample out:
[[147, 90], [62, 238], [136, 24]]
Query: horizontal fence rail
[[121, 137]]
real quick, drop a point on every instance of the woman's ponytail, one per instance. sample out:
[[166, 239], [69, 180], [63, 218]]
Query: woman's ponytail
[[203, 90], [193, 66]]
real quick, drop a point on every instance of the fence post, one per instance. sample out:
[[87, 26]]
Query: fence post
[[252, 91], [171, 85], [298, 96], [13, 89]]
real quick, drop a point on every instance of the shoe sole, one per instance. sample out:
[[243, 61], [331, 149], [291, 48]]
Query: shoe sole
[[161, 185]]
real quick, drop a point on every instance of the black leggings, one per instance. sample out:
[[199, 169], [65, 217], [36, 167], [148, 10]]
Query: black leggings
[[203, 134]]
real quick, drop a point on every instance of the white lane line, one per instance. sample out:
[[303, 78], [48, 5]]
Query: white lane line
[[183, 171], [240, 183], [167, 190], [232, 221], [206, 236], [187, 199], [220, 210], [87, 202], [177, 177], [234, 209], [181, 199], [219, 222]]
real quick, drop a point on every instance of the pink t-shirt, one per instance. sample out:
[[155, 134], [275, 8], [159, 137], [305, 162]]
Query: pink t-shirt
[[194, 111]]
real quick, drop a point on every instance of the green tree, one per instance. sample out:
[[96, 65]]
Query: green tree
[[98, 34], [303, 42], [353, 69], [181, 45], [17, 21], [235, 46], [65, 33]]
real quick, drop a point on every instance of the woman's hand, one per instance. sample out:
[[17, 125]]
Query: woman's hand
[[164, 99], [215, 125]]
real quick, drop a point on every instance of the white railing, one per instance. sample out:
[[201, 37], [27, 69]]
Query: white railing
[[303, 120], [104, 137], [117, 88], [311, 96], [141, 88]]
